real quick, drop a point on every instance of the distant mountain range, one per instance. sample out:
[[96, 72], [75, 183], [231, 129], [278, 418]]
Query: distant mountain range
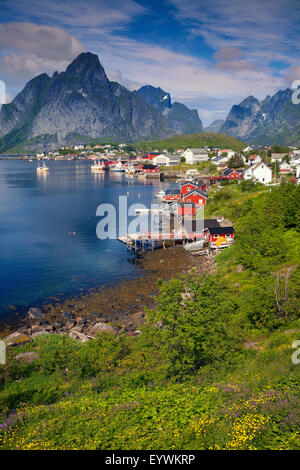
[[81, 104], [275, 120], [179, 117]]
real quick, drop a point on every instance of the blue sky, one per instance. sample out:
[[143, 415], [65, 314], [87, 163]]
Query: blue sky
[[208, 55]]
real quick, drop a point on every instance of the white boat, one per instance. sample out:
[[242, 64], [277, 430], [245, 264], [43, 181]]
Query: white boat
[[41, 168], [118, 167], [130, 171], [161, 194], [97, 166], [194, 246]]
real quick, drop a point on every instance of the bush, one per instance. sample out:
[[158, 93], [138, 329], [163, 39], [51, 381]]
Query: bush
[[189, 327], [248, 185]]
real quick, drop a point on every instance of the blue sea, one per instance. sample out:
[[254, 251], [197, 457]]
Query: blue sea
[[48, 241]]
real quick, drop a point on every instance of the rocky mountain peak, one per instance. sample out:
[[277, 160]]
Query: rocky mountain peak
[[157, 97], [180, 118], [273, 120], [86, 61]]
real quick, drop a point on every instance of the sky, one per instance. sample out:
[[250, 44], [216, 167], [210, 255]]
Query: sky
[[208, 54]]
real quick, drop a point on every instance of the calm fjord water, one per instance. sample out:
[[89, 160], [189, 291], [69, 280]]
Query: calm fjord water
[[39, 255]]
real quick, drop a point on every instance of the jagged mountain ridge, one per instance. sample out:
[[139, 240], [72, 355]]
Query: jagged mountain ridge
[[179, 117], [80, 103], [274, 120]]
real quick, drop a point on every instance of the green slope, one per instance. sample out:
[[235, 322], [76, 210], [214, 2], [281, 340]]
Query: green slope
[[199, 140], [212, 368]]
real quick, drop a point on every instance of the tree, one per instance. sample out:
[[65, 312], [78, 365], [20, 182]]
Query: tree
[[259, 241], [235, 162], [261, 307], [189, 327]]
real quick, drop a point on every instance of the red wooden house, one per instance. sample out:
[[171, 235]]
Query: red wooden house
[[201, 185], [149, 156], [172, 195], [150, 169], [195, 196], [197, 228], [188, 186], [219, 237], [232, 173]]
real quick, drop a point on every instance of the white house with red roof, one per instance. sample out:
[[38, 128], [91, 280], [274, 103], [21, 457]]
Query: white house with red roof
[[254, 159]]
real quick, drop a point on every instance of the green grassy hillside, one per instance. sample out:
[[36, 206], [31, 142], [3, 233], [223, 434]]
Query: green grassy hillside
[[200, 140], [212, 368]]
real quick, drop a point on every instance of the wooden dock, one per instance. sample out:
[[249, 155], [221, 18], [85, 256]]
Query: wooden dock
[[152, 240]]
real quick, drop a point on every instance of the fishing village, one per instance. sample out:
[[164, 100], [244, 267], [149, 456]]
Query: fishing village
[[179, 231], [179, 234]]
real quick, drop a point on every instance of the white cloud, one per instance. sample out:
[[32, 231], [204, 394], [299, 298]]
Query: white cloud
[[117, 76], [45, 42], [262, 28], [185, 76], [77, 14], [228, 53]]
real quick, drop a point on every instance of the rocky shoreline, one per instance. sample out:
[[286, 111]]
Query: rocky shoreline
[[115, 310]]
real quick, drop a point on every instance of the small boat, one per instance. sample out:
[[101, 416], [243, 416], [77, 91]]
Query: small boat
[[41, 168], [161, 194], [130, 171], [194, 246], [97, 166], [117, 168]]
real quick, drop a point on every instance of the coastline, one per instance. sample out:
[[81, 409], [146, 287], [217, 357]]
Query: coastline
[[121, 305]]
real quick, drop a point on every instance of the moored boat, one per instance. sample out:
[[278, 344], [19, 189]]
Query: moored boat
[[97, 166], [130, 170], [42, 168], [161, 194], [117, 168], [194, 246]]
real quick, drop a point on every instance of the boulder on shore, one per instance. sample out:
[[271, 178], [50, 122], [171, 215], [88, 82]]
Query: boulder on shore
[[67, 316], [35, 314], [16, 338], [82, 337], [99, 328]]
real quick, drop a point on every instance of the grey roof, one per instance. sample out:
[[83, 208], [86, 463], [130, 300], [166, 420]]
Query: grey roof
[[171, 156], [196, 190], [220, 157], [197, 226], [220, 230], [172, 191], [198, 150]]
